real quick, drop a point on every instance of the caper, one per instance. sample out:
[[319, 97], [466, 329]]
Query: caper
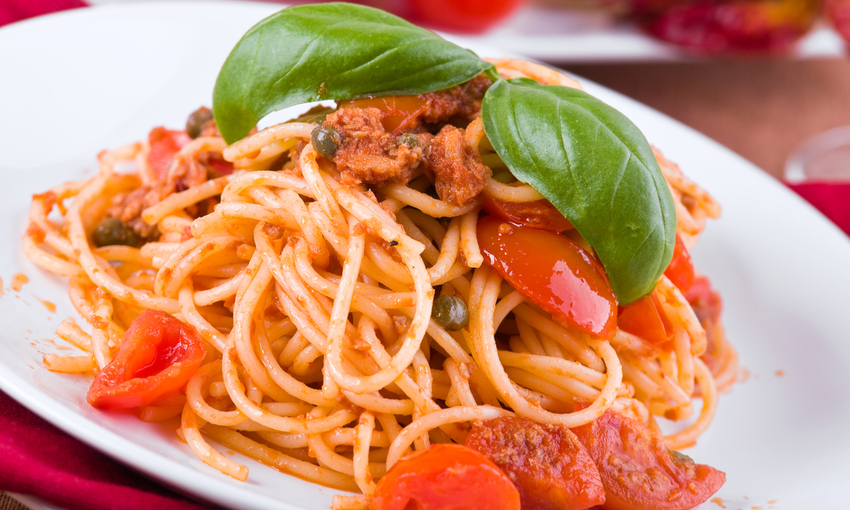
[[409, 139], [450, 312], [112, 231], [196, 121], [325, 141]]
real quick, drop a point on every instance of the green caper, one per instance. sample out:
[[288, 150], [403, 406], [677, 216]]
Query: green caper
[[325, 141], [409, 139], [196, 121], [450, 312], [112, 231]]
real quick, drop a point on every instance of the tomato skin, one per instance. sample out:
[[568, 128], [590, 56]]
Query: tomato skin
[[157, 357], [164, 144], [681, 269], [540, 214], [639, 472], [749, 26], [646, 319], [401, 112], [548, 464], [553, 272], [445, 477], [466, 16]]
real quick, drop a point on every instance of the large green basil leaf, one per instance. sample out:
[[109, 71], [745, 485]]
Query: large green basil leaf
[[596, 167], [331, 51]]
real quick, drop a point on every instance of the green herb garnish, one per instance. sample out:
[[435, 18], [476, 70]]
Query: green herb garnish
[[585, 157]]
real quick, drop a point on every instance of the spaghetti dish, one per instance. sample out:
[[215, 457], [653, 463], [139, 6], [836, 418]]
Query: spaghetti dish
[[328, 294]]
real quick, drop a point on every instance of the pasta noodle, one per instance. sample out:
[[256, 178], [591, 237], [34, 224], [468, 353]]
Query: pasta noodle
[[314, 299]]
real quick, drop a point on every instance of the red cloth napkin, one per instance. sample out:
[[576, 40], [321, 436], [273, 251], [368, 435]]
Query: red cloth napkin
[[17, 10], [40, 460], [831, 198]]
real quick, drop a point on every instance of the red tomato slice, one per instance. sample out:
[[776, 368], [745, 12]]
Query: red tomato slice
[[165, 143], [470, 16], [548, 464], [717, 26], [639, 472], [646, 319], [445, 477], [220, 165], [157, 357], [401, 112], [553, 272], [681, 268], [540, 214], [704, 300]]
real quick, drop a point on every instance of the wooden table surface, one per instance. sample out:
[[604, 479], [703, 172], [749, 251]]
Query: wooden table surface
[[760, 109]]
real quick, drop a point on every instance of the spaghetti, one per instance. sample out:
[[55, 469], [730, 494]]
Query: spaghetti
[[313, 297]]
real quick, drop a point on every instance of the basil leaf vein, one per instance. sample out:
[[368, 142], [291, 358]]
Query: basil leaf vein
[[332, 51], [594, 166]]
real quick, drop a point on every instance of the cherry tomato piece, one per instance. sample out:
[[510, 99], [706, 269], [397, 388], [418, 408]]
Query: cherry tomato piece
[[708, 306], [157, 357], [751, 26], [548, 464], [469, 16], [540, 214], [639, 472], [401, 112], [445, 477], [704, 300], [553, 272], [681, 268], [646, 319], [164, 143], [838, 11]]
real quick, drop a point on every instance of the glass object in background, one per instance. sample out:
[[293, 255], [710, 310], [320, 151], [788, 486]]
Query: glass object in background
[[823, 157]]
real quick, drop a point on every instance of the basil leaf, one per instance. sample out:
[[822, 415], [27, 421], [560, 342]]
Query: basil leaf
[[596, 167], [331, 51]]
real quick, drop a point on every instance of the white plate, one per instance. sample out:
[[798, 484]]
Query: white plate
[[78, 82]]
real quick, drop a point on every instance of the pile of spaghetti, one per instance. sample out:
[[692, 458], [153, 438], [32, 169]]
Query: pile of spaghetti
[[311, 285]]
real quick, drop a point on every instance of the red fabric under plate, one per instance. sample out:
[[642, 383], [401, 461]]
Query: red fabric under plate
[[40, 460], [831, 198], [17, 10]]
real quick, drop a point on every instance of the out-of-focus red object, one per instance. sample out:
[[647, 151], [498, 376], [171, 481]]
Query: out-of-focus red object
[[838, 11], [735, 26], [466, 16], [17, 10], [642, 7]]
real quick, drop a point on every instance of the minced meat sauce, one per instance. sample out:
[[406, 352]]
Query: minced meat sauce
[[369, 153]]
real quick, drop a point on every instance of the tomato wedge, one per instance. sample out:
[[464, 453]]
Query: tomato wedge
[[540, 214], [164, 143], [445, 477], [681, 268], [553, 272], [548, 464], [401, 112], [157, 357], [639, 472], [646, 319]]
